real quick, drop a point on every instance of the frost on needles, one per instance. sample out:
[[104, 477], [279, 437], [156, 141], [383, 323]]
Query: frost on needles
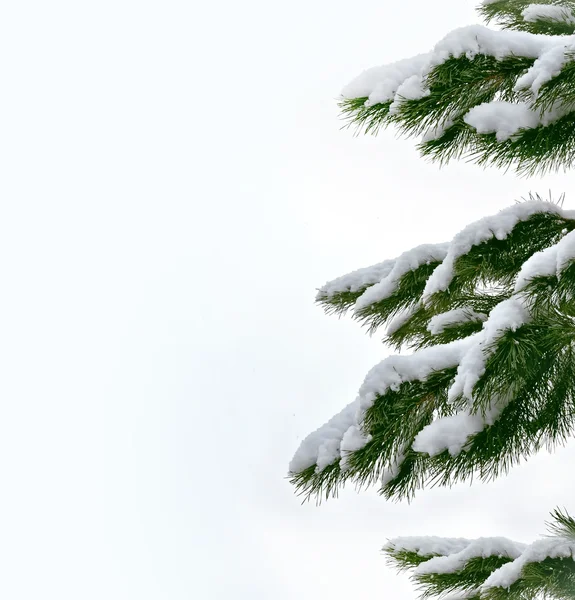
[[489, 321], [496, 96]]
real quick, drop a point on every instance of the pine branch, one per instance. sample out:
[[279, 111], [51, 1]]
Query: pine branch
[[492, 378], [491, 568], [500, 98], [510, 14]]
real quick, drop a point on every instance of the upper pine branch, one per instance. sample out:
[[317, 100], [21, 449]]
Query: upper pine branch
[[504, 98], [550, 17]]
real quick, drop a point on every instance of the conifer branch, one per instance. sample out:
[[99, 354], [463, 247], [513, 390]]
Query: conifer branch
[[490, 568], [492, 380], [499, 98]]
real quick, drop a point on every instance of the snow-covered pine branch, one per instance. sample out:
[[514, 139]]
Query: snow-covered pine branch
[[490, 568], [490, 318], [553, 17], [503, 97]]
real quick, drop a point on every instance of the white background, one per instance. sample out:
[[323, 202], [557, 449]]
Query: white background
[[174, 186]]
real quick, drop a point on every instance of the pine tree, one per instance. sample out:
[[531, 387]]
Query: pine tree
[[489, 318]]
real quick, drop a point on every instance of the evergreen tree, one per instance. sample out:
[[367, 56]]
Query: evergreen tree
[[489, 317]]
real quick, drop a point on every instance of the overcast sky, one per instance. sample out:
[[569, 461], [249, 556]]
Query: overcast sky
[[175, 186]]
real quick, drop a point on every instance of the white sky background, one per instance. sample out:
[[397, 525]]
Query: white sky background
[[174, 187]]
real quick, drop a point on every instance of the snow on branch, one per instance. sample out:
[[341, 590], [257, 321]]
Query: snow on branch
[[547, 12], [477, 82], [497, 226], [427, 545], [383, 84], [480, 548], [357, 280], [441, 566], [324, 446], [408, 261], [439, 323], [537, 552]]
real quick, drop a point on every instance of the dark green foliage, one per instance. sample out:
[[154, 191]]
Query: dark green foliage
[[325, 482], [370, 119]]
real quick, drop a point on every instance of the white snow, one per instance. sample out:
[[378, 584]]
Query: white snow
[[448, 433], [411, 89], [408, 261], [543, 263], [439, 323], [356, 280], [550, 261], [547, 66], [477, 39], [552, 547], [547, 12], [507, 119], [327, 453], [322, 447], [353, 439], [502, 118], [381, 83], [479, 548], [428, 545], [499, 226]]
